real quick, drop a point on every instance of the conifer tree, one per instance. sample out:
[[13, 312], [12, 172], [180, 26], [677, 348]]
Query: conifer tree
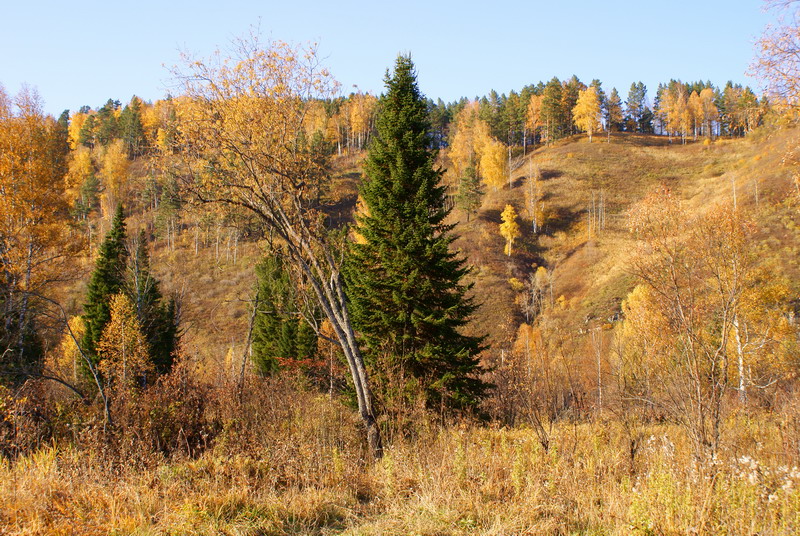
[[107, 279], [279, 332], [131, 128], [404, 284], [468, 196], [155, 316]]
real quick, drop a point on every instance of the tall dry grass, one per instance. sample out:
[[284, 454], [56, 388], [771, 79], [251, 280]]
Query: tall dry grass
[[280, 459]]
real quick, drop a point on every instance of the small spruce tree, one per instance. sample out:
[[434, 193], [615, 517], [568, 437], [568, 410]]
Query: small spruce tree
[[156, 316], [279, 331], [107, 279]]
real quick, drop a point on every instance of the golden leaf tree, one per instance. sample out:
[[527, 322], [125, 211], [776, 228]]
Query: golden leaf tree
[[708, 111], [493, 164], [700, 284], [778, 61], [242, 143], [586, 113], [533, 115], [114, 170], [509, 229], [124, 358], [35, 241]]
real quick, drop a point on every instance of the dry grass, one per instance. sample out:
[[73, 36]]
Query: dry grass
[[457, 480]]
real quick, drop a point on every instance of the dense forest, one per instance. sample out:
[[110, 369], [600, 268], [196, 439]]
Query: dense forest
[[257, 306]]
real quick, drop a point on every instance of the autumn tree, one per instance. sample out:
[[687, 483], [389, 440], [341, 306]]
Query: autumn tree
[[114, 171], [406, 287], [586, 113], [362, 112], [708, 111], [696, 273], [472, 146], [778, 60], [533, 117], [509, 229], [122, 349], [34, 236], [534, 196], [493, 164], [240, 136]]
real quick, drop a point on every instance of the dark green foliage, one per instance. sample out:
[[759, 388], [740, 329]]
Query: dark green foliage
[[131, 129], [114, 274], [552, 114], [404, 285], [58, 145], [169, 207], [279, 331], [468, 196], [569, 98], [157, 317], [613, 109], [89, 198], [108, 278], [636, 118], [86, 136], [107, 123]]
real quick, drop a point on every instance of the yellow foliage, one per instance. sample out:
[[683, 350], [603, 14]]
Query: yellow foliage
[[586, 113], [509, 229], [34, 213], [122, 347], [73, 131], [67, 360], [80, 167], [516, 284], [494, 164], [114, 169]]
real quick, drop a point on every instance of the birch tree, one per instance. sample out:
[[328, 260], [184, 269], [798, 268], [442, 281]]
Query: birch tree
[[241, 143]]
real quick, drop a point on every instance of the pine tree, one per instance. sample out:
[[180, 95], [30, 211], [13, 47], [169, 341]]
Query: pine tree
[[468, 196], [613, 112], [131, 128], [155, 316], [404, 284], [107, 280], [279, 332]]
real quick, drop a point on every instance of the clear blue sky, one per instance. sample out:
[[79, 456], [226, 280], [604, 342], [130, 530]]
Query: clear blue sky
[[85, 52]]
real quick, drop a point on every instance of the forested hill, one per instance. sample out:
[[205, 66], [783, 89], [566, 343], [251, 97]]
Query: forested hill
[[584, 244]]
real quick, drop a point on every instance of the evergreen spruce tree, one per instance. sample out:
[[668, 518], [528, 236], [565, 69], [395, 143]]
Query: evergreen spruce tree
[[155, 316], [470, 191], [131, 128], [108, 278], [278, 330], [405, 286]]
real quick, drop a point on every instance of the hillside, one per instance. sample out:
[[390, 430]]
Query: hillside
[[590, 273], [281, 459]]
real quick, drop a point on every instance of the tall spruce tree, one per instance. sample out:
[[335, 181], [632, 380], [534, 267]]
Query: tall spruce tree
[[405, 286], [108, 278]]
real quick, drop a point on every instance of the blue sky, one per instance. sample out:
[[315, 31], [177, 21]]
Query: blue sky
[[85, 52]]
